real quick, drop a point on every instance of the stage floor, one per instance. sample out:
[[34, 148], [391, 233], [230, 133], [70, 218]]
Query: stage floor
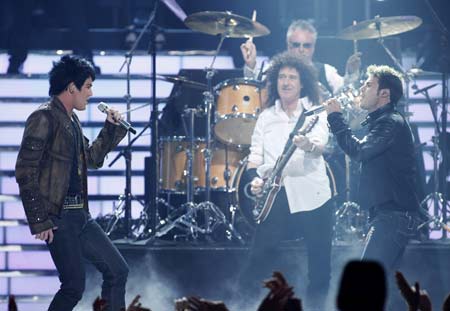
[[164, 271]]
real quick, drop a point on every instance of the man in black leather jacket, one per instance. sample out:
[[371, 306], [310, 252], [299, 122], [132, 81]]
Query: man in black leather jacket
[[387, 157], [51, 171]]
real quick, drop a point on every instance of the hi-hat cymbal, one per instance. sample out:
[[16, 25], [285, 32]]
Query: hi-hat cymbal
[[380, 26], [227, 23], [183, 80]]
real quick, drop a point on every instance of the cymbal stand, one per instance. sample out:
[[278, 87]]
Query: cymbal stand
[[213, 215], [435, 199], [349, 212], [395, 60]]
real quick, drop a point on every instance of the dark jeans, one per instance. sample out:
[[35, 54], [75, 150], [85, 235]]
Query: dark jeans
[[389, 233], [79, 238], [314, 226]]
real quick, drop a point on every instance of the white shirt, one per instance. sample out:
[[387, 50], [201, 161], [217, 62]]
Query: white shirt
[[304, 177]]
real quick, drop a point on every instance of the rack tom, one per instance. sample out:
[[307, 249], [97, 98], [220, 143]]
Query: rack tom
[[237, 108]]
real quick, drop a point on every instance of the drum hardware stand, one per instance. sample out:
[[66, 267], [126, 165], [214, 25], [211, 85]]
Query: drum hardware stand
[[125, 204], [213, 216], [348, 205], [444, 63], [211, 211], [125, 200], [434, 199]]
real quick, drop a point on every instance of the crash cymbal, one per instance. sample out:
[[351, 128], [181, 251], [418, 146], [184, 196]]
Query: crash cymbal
[[227, 23], [420, 72], [384, 26], [183, 80], [8, 198]]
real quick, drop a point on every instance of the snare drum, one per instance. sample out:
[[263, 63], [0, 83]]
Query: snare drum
[[238, 106]]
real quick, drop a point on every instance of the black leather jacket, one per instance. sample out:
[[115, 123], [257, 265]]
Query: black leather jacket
[[45, 160], [387, 157]]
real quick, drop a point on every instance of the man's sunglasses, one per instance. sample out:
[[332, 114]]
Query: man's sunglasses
[[296, 45]]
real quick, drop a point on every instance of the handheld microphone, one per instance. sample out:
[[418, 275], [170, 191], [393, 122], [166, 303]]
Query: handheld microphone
[[103, 107]]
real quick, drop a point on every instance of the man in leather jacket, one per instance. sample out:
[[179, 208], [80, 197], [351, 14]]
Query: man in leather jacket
[[51, 171], [387, 158]]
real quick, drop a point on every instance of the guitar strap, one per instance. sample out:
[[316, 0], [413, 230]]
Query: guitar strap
[[297, 127]]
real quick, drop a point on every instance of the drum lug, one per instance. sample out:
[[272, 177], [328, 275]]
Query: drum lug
[[235, 109]]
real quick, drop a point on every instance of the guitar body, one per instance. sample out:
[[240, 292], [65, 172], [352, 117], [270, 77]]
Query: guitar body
[[265, 202]]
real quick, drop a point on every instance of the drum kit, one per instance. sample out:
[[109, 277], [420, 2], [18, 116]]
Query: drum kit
[[194, 168]]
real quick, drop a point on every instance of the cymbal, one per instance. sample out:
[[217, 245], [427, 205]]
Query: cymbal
[[227, 23], [420, 72], [8, 198], [386, 26], [183, 80]]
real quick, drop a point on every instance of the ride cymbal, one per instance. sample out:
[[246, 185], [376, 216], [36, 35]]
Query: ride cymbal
[[380, 27]]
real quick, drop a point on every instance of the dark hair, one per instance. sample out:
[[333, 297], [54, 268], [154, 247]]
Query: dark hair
[[307, 72], [388, 78], [362, 287], [69, 69]]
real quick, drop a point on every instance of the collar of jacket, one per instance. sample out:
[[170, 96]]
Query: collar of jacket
[[374, 115]]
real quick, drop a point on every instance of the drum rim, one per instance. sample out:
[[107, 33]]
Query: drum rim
[[241, 80], [238, 115], [178, 138]]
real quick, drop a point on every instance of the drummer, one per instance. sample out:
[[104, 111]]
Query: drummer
[[301, 38]]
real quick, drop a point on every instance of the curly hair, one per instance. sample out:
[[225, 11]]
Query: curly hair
[[69, 69], [388, 78], [307, 72]]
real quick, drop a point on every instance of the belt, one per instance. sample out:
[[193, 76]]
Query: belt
[[73, 202]]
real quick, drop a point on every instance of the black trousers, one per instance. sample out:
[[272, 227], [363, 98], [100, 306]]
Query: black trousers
[[314, 226]]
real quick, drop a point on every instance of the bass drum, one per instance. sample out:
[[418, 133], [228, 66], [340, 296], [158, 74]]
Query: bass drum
[[246, 201]]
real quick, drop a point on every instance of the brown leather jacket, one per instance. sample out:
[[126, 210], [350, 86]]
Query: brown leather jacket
[[45, 159]]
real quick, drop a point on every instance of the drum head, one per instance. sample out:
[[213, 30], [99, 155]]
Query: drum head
[[235, 130]]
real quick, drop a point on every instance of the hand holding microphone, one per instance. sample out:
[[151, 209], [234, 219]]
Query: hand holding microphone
[[115, 117]]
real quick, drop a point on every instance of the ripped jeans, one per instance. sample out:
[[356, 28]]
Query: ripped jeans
[[388, 236]]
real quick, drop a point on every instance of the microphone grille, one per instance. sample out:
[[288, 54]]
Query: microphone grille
[[103, 107]]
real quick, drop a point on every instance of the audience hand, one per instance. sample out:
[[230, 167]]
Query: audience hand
[[446, 304], [135, 305], [12, 305], [99, 304], [281, 295], [415, 298], [198, 304]]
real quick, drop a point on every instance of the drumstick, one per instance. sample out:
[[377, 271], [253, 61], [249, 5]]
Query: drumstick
[[355, 42], [251, 38]]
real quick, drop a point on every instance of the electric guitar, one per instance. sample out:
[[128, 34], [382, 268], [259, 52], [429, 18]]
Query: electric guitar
[[272, 184]]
